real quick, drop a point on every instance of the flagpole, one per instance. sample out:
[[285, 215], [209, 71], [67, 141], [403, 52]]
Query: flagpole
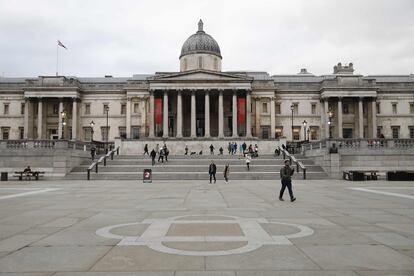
[[57, 59]]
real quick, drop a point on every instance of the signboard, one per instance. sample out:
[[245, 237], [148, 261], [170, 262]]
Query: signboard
[[147, 176], [241, 110], [158, 111]]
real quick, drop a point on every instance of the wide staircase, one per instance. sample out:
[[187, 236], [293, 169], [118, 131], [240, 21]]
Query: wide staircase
[[195, 167]]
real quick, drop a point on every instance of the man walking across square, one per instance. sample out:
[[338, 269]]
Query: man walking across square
[[212, 171], [286, 178]]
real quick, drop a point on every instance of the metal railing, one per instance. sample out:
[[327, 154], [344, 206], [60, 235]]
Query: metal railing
[[293, 160], [103, 158]]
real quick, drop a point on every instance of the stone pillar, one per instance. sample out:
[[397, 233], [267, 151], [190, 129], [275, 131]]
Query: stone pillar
[[340, 128], [179, 115], [272, 118], [26, 119], [220, 115], [128, 118], [74, 119], [207, 114], [326, 103], [323, 115], [249, 114], [360, 118], [151, 115], [257, 117], [39, 119], [60, 125], [235, 134], [193, 115], [165, 115], [374, 118]]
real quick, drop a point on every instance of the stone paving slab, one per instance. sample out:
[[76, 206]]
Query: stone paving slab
[[330, 230]]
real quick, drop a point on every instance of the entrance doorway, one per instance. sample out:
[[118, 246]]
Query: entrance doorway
[[347, 133]]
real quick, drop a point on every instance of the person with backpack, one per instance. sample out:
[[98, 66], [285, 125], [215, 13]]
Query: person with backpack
[[286, 178]]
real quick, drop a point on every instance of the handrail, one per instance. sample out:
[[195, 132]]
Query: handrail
[[292, 159], [100, 160]]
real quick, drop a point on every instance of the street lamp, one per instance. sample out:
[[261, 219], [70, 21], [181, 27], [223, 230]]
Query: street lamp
[[63, 116], [330, 114], [107, 130], [308, 133], [304, 130], [292, 107], [92, 124]]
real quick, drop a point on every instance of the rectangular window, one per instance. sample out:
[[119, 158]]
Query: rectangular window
[[264, 108], [411, 108], [122, 132], [21, 133], [296, 132], [6, 109], [313, 108], [87, 134], [22, 109], [379, 131], [105, 108], [135, 132], [314, 133], [378, 108], [394, 108], [279, 132], [104, 133], [5, 133], [395, 132], [123, 109], [87, 109], [277, 108], [136, 108], [295, 108], [345, 108], [411, 130], [55, 110]]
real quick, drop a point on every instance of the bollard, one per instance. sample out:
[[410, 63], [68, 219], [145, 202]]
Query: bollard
[[117, 151], [112, 155], [105, 160], [89, 174], [304, 173], [297, 166], [96, 168]]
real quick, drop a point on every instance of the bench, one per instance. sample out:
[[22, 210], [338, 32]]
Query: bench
[[35, 174], [360, 175]]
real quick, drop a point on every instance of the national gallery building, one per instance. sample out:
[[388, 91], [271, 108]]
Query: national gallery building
[[201, 101]]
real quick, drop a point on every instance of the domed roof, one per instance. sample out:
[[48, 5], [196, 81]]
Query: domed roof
[[200, 42]]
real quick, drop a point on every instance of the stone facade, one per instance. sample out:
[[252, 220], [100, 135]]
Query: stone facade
[[202, 101]]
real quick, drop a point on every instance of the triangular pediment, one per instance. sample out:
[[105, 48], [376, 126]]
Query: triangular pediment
[[199, 75]]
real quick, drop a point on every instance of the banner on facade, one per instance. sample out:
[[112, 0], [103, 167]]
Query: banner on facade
[[241, 110], [158, 111]]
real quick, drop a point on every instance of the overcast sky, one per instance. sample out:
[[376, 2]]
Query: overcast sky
[[122, 38]]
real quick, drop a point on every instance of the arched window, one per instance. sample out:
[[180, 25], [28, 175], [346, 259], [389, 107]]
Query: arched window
[[200, 62], [215, 64]]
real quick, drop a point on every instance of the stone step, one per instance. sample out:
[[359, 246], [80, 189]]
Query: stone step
[[203, 162]]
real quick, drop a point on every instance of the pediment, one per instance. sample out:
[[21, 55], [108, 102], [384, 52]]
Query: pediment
[[200, 75]]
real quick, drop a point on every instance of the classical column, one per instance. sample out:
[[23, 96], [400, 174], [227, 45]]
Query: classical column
[[249, 114], [360, 118], [151, 115], [165, 115], [272, 118], [207, 114], [257, 117], [326, 103], [374, 118], [220, 115], [26, 119], [340, 135], [60, 125], [235, 134], [74, 118], [39, 119], [179, 115], [128, 118], [323, 115], [193, 115]]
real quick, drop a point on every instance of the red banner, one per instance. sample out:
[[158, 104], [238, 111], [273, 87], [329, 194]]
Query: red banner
[[158, 111], [241, 110]]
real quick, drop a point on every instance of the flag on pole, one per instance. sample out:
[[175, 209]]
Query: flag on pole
[[61, 44]]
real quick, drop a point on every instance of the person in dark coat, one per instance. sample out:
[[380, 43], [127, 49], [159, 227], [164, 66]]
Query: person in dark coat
[[166, 153], [212, 171], [221, 151], [286, 178], [153, 154], [211, 149], [226, 172], [161, 155], [146, 149], [93, 152]]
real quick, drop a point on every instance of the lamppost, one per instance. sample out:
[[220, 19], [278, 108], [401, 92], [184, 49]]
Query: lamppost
[[292, 107], [92, 124], [308, 134], [304, 130], [330, 114], [63, 116], [107, 130]]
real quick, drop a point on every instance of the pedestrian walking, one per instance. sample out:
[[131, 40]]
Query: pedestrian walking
[[286, 178], [153, 154], [230, 147], [226, 172], [186, 150], [248, 160], [93, 152], [211, 149], [166, 153], [161, 155], [221, 151], [212, 171], [243, 148], [146, 149], [235, 148]]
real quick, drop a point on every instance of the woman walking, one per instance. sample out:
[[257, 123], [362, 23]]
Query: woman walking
[[226, 172], [248, 159]]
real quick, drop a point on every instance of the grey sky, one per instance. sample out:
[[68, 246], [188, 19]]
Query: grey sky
[[122, 38]]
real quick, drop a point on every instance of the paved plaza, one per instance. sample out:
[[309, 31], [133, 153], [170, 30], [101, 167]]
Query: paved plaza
[[195, 228]]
